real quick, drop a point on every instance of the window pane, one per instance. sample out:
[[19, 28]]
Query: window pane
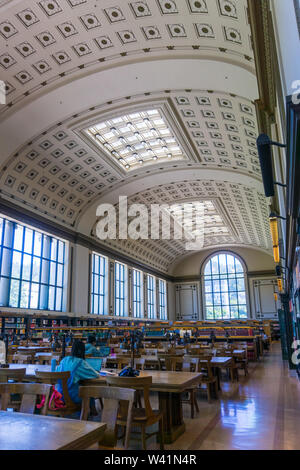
[[18, 238], [37, 249], [28, 240], [16, 264], [34, 296], [14, 293], [24, 299], [60, 252], [26, 267]]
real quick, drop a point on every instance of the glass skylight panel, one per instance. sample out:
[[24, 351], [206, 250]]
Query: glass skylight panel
[[136, 139], [186, 214]]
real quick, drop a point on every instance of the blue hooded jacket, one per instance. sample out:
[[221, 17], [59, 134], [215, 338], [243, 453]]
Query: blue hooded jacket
[[90, 349], [79, 370]]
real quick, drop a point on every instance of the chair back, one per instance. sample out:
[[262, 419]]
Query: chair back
[[190, 364], [137, 383], [205, 366], [47, 359], [29, 394], [53, 378], [21, 359], [139, 363], [12, 374], [116, 400]]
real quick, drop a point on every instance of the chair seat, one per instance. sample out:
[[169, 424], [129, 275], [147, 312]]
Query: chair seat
[[139, 417]]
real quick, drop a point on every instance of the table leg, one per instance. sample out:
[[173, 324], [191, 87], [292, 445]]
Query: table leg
[[171, 405], [217, 373]]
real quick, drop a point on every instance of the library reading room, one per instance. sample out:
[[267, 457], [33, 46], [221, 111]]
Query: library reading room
[[149, 226]]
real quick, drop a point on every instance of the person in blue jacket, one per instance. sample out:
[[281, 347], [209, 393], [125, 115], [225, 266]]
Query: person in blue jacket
[[90, 347], [79, 368]]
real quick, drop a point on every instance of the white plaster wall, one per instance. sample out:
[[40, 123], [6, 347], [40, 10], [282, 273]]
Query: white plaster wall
[[255, 261], [80, 281]]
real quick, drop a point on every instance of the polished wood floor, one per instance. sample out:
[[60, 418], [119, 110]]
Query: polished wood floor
[[260, 412]]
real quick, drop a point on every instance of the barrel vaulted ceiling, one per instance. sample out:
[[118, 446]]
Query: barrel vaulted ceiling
[[70, 65]]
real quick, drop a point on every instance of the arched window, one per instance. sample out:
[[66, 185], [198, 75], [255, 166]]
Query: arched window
[[224, 288]]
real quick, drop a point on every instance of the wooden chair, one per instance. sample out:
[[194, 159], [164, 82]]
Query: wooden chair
[[21, 359], [242, 363], [139, 363], [12, 374], [208, 378], [116, 402], [177, 364], [193, 363], [232, 368], [151, 352], [142, 417], [151, 362], [191, 391], [47, 359], [29, 396], [53, 378]]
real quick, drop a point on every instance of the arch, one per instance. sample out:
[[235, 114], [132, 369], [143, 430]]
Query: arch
[[225, 287]]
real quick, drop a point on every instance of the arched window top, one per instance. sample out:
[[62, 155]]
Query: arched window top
[[224, 287], [223, 263]]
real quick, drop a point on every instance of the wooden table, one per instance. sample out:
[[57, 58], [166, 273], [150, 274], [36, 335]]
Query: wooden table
[[30, 369], [19, 431], [170, 386]]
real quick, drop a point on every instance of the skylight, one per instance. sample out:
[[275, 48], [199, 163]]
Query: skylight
[[188, 214], [137, 139]]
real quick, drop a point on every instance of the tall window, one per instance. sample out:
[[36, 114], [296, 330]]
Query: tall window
[[99, 285], [224, 285], [162, 300], [32, 268], [150, 296], [137, 294], [120, 290]]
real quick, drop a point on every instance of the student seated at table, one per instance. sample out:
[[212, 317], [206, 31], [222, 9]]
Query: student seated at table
[[90, 347], [79, 368]]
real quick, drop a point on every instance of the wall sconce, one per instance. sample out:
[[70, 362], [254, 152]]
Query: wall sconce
[[273, 219], [264, 144], [280, 285], [275, 238]]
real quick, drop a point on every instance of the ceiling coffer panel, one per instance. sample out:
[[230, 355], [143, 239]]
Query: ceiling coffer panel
[[61, 172], [48, 42]]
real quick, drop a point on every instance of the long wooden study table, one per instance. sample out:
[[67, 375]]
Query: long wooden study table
[[169, 385]]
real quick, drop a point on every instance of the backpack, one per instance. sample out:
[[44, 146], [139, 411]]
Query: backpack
[[55, 403]]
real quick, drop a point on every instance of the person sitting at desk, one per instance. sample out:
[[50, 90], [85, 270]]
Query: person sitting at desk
[[79, 369], [90, 347]]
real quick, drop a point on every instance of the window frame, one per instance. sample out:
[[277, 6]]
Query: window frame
[[44, 262], [245, 272], [124, 283], [102, 280], [137, 293], [162, 295], [151, 315]]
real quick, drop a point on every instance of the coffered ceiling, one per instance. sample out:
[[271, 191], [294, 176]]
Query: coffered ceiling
[[72, 65], [48, 42]]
